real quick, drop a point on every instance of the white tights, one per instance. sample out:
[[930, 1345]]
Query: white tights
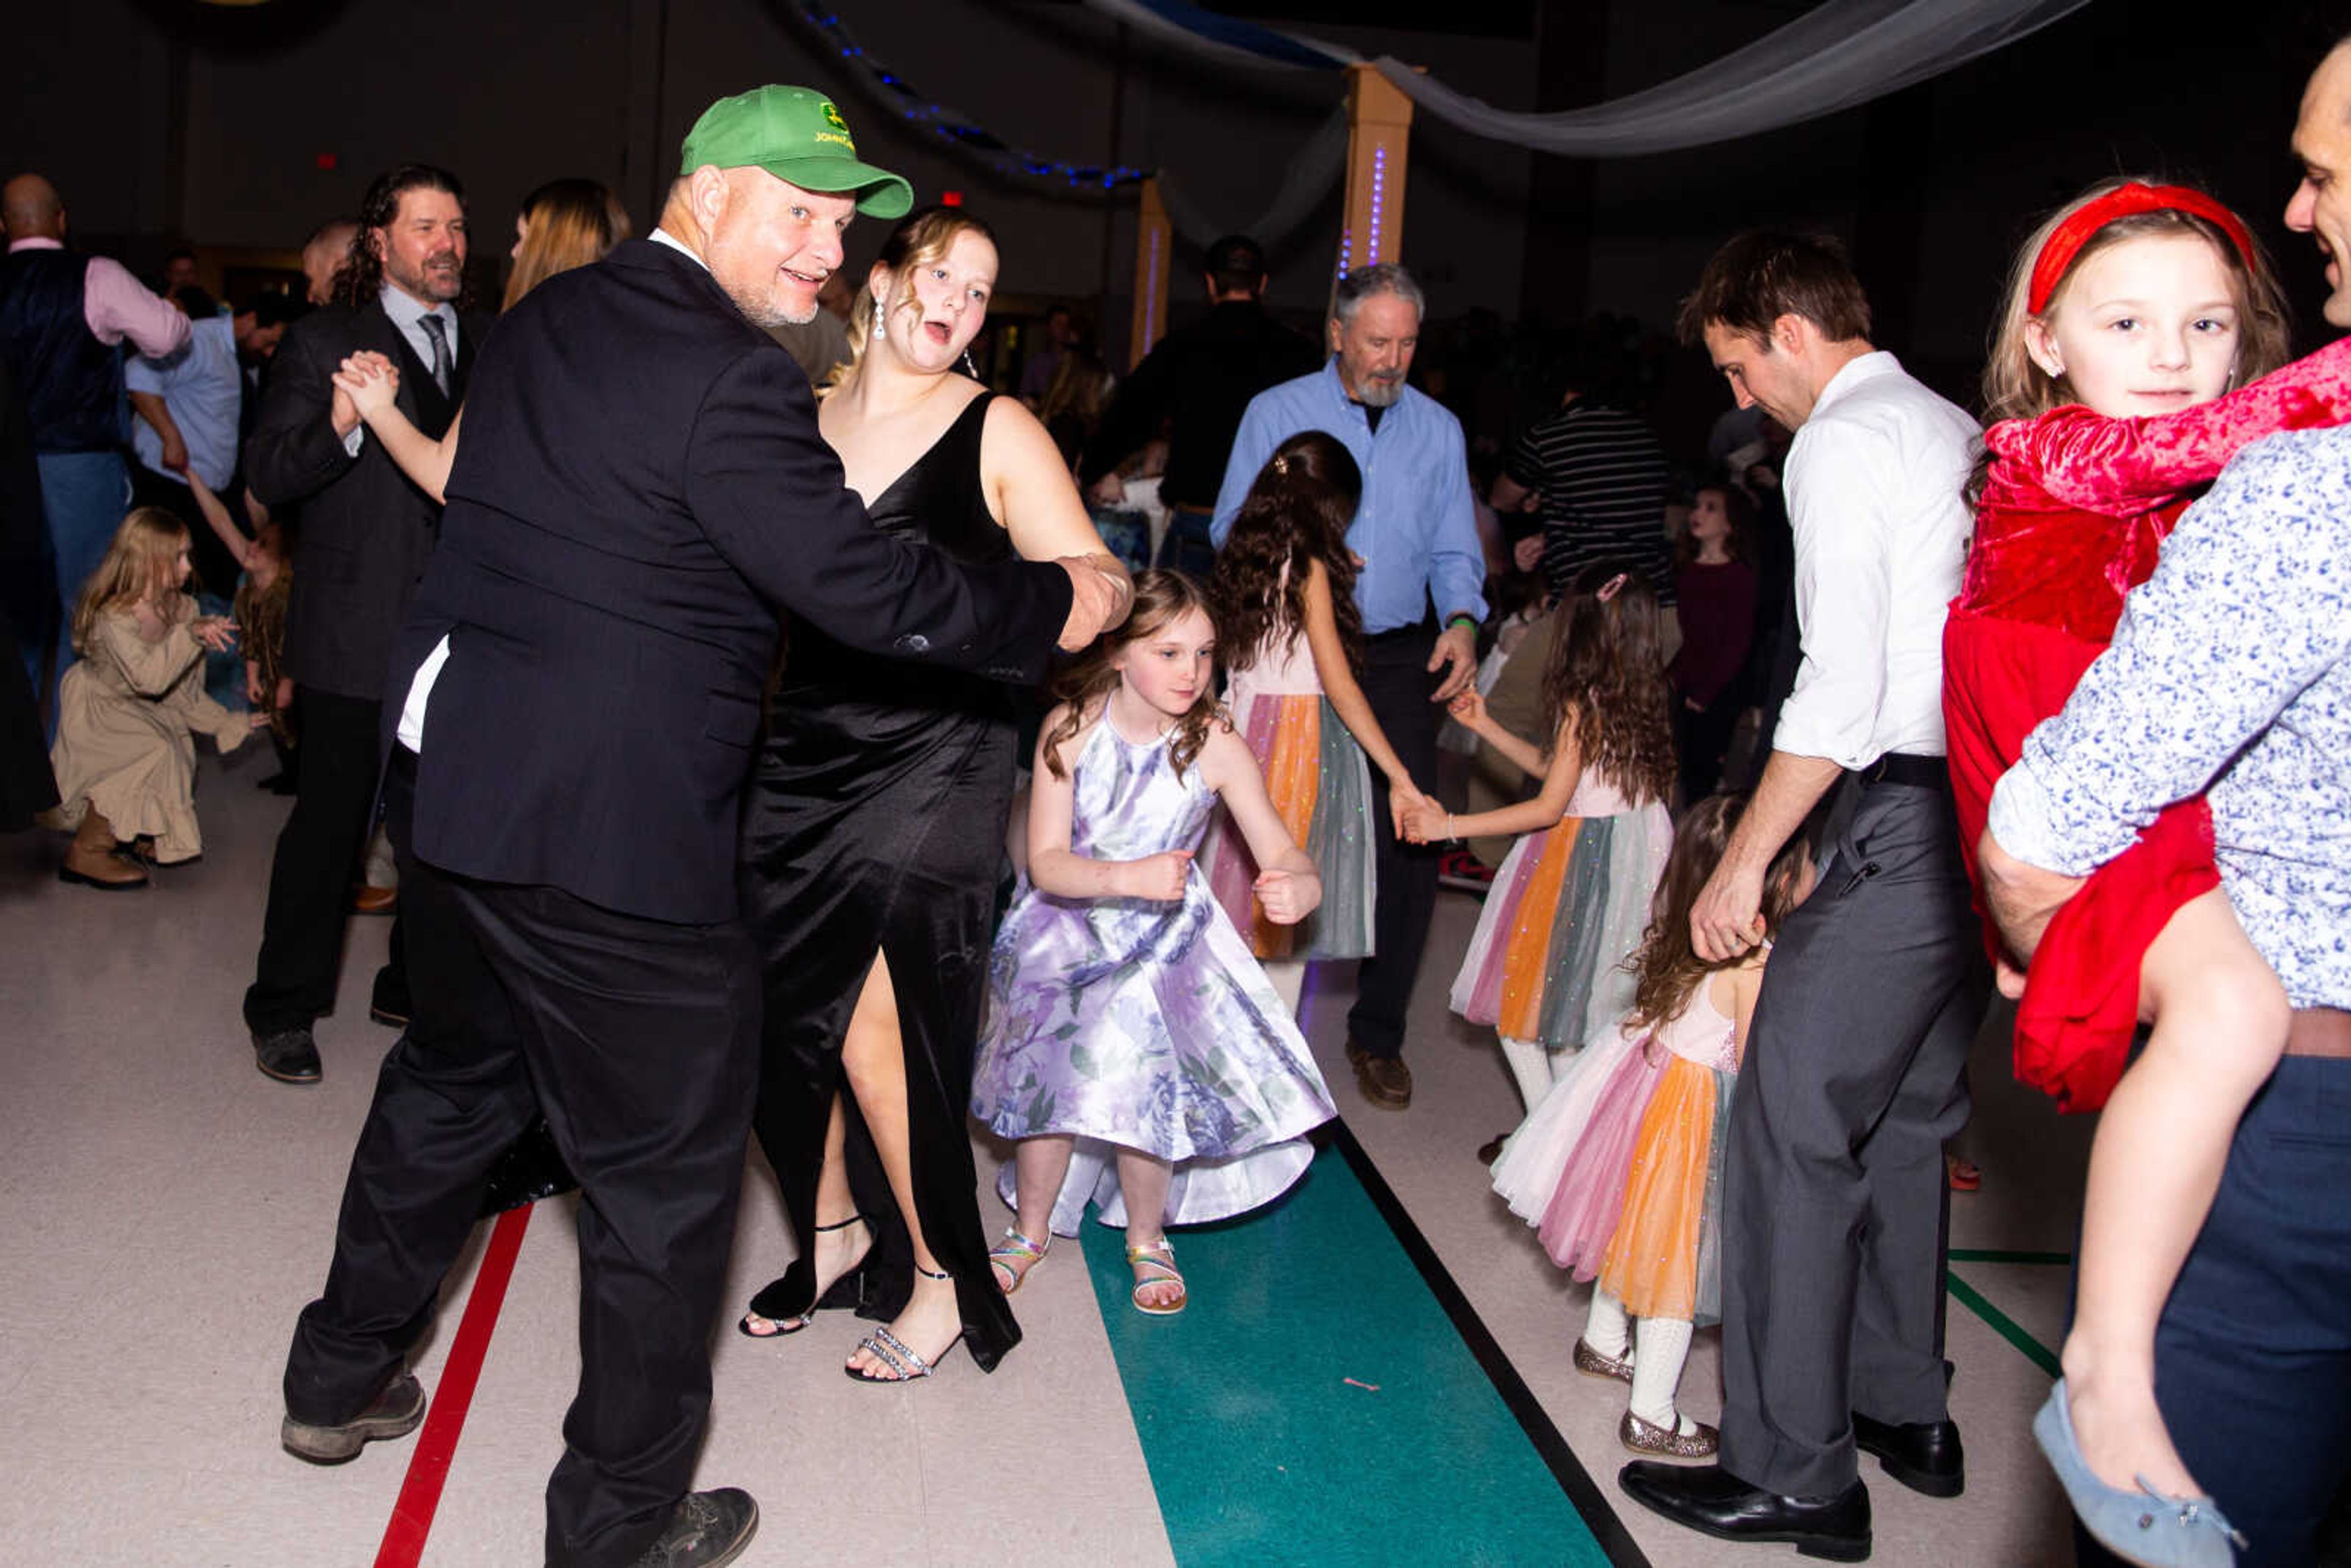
[[1657, 1370], [1532, 1066]]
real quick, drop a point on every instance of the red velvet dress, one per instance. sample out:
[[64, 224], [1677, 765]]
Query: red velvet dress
[[2074, 509]]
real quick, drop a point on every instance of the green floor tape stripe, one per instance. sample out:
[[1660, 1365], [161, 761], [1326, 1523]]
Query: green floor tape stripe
[[1315, 1404], [2039, 1354], [1978, 1255]]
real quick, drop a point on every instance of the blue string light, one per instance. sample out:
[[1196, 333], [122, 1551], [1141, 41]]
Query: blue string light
[[960, 129]]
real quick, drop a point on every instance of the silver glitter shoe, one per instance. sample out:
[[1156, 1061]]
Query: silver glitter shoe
[[1591, 1363], [1668, 1442]]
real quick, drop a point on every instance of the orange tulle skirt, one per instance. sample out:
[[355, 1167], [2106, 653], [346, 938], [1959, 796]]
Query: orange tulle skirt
[[1663, 1261]]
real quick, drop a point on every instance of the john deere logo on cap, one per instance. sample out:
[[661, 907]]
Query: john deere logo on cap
[[832, 117]]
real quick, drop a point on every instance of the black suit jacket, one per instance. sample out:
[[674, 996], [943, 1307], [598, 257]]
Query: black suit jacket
[[640, 489], [365, 530]]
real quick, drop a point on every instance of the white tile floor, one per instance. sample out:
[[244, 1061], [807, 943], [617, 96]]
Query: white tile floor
[[164, 1210]]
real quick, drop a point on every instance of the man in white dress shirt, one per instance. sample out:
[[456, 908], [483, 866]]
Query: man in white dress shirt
[[1834, 1201]]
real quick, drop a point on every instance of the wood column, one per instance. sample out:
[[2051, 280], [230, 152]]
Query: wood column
[[1379, 135], [1154, 254]]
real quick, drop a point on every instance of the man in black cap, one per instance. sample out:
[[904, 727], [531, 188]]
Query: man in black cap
[[574, 700], [1194, 386]]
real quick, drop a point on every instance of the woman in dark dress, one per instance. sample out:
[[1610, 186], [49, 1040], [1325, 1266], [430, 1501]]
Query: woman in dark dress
[[872, 834]]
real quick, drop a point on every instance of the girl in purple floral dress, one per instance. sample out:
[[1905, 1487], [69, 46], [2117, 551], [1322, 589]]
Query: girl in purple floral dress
[[1133, 1045]]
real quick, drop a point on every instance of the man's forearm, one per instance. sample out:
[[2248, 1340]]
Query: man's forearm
[[2020, 896], [1791, 786], [150, 407]]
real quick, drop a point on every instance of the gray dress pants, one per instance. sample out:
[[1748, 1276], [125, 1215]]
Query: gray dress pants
[[1836, 1206]]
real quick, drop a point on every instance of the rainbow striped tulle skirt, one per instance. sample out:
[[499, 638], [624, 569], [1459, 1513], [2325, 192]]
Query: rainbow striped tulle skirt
[[1322, 788], [1567, 909]]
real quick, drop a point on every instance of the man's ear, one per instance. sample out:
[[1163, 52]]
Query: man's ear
[[376, 243], [707, 193], [1789, 332], [1337, 332]]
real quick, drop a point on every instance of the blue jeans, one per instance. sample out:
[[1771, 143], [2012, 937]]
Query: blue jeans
[[2252, 1358], [1185, 546], [85, 495], [1125, 533]]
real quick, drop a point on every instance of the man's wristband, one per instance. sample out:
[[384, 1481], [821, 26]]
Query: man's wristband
[[1461, 617]]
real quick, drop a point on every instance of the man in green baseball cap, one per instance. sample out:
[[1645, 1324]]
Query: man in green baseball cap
[[767, 181], [796, 134]]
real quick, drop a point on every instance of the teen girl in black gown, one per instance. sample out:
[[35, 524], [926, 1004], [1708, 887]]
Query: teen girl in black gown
[[871, 841]]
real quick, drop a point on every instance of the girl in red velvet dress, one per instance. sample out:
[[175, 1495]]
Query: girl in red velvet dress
[[2129, 316]]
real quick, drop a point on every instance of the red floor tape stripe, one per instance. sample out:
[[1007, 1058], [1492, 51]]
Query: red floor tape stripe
[[428, 1466]]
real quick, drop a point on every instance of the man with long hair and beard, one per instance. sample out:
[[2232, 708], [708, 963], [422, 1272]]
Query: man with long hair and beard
[[365, 536]]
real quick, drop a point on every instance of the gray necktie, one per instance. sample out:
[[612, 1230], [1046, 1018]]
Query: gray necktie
[[438, 330]]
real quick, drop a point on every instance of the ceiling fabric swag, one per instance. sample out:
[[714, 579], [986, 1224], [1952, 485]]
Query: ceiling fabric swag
[[1837, 55], [1315, 169]]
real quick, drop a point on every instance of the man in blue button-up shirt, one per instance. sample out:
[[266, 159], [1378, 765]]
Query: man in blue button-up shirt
[[1421, 595]]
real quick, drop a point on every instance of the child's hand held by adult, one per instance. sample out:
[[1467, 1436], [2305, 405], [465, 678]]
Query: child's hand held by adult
[[1289, 897]]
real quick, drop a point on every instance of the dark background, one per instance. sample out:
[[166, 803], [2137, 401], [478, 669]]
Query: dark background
[[240, 129]]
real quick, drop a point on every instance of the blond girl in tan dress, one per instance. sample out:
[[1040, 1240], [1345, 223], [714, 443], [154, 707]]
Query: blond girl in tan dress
[[129, 709]]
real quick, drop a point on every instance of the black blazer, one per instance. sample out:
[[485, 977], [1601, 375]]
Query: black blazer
[[365, 530], [640, 489]]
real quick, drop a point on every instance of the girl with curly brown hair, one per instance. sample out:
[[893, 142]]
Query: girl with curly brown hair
[[1546, 967], [1291, 638], [1620, 1167]]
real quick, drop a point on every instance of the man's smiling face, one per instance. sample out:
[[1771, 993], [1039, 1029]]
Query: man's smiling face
[[773, 245], [2320, 206]]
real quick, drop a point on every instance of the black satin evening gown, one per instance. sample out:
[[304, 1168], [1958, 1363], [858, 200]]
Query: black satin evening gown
[[875, 823]]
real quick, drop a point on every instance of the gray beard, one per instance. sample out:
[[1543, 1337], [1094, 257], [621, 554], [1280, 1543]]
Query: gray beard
[[767, 316], [1377, 393]]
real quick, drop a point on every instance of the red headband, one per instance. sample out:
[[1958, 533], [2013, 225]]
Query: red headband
[[2065, 242]]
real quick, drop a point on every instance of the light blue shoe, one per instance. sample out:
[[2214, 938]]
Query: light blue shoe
[[2143, 1526]]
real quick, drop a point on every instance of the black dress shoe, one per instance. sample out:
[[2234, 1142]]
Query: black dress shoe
[[1924, 1455], [288, 1055], [707, 1528], [1711, 1500], [388, 998]]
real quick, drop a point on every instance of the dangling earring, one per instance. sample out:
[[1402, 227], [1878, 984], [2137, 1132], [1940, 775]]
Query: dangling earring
[[877, 324], [969, 367]]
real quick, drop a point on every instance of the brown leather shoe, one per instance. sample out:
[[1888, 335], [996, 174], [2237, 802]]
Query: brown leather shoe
[[369, 899], [91, 861], [1385, 1081]]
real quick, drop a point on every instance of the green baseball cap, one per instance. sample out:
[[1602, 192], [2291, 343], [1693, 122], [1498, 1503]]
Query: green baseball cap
[[795, 134]]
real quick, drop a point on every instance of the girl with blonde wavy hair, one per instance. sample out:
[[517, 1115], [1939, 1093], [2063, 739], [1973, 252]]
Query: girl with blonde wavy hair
[[2135, 352], [129, 708]]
